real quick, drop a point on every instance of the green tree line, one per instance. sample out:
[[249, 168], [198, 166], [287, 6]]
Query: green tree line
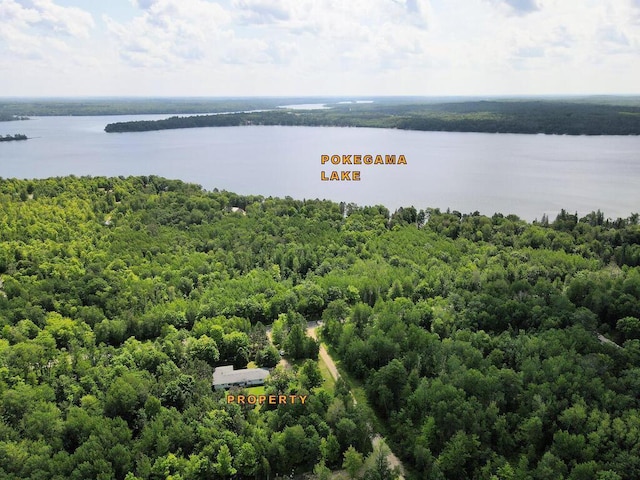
[[559, 117]]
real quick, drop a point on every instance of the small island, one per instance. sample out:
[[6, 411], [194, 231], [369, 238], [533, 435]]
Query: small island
[[10, 138], [8, 117]]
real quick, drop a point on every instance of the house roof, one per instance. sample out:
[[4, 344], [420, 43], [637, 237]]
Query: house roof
[[227, 375]]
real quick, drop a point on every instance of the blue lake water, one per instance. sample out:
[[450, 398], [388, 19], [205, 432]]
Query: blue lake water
[[527, 175]]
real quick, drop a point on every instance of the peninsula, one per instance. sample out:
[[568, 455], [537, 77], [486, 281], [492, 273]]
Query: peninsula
[[590, 116]]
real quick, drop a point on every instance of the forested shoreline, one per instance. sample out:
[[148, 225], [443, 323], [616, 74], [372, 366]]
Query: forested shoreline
[[79, 106], [475, 338], [521, 116], [590, 115]]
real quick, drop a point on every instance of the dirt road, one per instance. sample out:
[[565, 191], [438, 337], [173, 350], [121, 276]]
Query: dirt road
[[394, 462], [605, 340], [324, 355]]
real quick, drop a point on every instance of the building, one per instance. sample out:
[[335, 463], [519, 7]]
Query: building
[[226, 377]]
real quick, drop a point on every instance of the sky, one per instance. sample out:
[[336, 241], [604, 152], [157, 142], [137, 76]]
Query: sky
[[318, 47]]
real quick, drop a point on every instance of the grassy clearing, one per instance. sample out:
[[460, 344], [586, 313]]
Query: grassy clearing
[[256, 390], [358, 391], [329, 383]]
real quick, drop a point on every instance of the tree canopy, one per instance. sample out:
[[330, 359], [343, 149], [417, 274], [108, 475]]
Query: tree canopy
[[488, 347]]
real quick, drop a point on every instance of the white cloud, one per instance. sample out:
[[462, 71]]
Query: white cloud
[[44, 18], [523, 6], [330, 35], [261, 11], [169, 33], [229, 47], [144, 4], [42, 33]]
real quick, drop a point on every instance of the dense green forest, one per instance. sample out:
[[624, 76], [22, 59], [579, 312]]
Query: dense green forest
[[496, 116], [474, 337]]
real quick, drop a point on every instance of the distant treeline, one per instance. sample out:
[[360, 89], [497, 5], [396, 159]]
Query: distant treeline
[[530, 116], [9, 138], [138, 106]]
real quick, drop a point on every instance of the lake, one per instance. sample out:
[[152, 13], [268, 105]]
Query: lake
[[527, 175]]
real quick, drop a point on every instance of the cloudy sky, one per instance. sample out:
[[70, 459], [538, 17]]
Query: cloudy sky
[[318, 47]]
